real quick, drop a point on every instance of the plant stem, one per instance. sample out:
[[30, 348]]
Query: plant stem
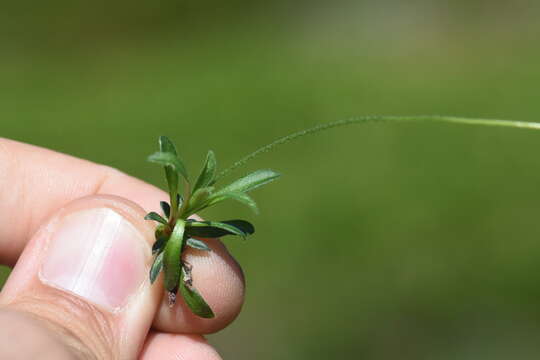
[[187, 197], [174, 205], [368, 119]]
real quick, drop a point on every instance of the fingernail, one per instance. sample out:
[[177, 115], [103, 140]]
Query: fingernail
[[96, 254]]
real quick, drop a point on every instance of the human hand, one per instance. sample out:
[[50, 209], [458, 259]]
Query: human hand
[[82, 250]]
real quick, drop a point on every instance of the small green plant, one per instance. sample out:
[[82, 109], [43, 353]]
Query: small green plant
[[176, 230]]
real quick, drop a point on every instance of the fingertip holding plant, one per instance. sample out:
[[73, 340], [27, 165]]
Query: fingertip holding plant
[[176, 230]]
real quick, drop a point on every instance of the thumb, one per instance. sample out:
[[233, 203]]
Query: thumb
[[80, 288]]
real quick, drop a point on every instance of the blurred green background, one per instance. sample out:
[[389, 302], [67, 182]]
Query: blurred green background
[[384, 241]]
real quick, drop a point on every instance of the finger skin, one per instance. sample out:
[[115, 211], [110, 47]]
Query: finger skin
[[34, 182], [90, 328], [220, 281], [162, 346], [33, 339]]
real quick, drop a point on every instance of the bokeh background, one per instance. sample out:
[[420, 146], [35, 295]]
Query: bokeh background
[[410, 241]]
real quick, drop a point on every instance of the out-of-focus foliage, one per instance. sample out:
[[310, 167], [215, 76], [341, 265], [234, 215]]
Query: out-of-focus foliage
[[427, 250]]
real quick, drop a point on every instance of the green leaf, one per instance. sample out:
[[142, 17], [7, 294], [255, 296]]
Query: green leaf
[[171, 258], [156, 268], [156, 217], [251, 181], [179, 199], [160, 231], [195, 301], [158, 245], [170, 160], [243, 225], [199, 198], [208, 172], [166, 146], [197, 244], [238, 196], [213, 229], [166, 208]]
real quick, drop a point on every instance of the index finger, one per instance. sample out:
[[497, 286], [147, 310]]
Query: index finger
[[35, 181]]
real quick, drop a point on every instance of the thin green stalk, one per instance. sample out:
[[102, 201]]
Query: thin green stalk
[[174, 205], [367, 119], [187, 196]]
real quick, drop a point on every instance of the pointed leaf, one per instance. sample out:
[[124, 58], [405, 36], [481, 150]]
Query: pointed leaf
[[238, 196], [166, 146], [156, 217], [170, 160], [166, 208], [199, 199], [171, 258], [197, 244], [159, 244], [195, 301], [156, 268], [216, 226], [251, 181], [208, 172], [243, 225], [212, 229]]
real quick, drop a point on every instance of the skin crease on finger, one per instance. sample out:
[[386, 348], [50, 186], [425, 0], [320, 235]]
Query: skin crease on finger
[[38, 342], [41, 181]]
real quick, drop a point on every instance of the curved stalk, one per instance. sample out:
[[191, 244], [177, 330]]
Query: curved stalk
[[367, 119]]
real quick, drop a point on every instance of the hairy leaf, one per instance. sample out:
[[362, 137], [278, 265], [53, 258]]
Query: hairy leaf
[[212, 229], [238, 196], [251, 181], [197, 244], [169, 160], [166, 146], [156, 217], [208, 172], [199, 199], [195, 301], [156, 267]]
